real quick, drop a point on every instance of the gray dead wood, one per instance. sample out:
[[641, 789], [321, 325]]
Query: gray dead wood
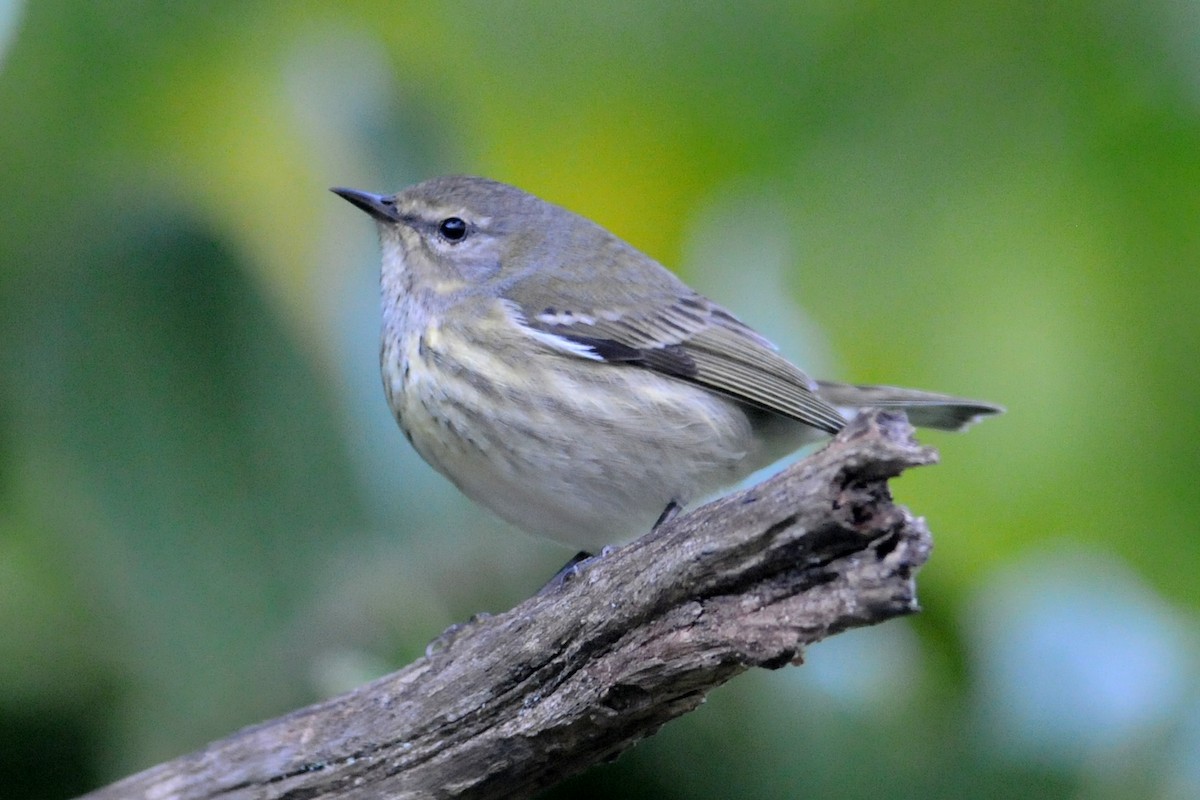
[[514, 703]]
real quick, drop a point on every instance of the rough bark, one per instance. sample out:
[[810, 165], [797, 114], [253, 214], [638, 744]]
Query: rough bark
[[510, 704]]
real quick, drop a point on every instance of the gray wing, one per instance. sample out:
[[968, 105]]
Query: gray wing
[[691, 338]]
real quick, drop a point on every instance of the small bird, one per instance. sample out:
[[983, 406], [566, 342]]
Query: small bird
[[573, 385]]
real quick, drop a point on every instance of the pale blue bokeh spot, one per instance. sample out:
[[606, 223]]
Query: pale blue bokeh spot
[[866, 671], [10, 15], [1076, 657]]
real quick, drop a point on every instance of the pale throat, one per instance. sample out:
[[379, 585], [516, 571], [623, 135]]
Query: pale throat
[[402, 274]]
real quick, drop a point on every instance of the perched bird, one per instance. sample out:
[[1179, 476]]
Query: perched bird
[[570, 383]]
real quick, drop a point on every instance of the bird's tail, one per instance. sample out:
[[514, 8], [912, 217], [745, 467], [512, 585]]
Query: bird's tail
[[924, 409]]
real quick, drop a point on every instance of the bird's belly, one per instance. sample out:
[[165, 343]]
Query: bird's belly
[[586, 453]]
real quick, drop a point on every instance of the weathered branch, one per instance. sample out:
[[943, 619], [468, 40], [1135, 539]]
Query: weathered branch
[[516, 702]]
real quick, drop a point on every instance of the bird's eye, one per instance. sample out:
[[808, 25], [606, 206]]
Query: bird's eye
[[452, 229]]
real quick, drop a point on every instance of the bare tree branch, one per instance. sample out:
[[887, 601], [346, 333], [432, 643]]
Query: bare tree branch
[[512, 704]]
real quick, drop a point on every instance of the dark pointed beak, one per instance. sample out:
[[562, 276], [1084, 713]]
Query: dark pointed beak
[[381, 207]]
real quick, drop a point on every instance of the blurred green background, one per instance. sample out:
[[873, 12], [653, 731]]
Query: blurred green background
[[208, 517]]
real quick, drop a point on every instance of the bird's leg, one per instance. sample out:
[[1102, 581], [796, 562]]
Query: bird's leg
[[446, 638], [575, 564], [669, 513], [569, 570]]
